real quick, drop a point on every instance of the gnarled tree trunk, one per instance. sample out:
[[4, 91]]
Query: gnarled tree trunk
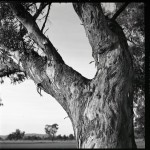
[[100, 109]]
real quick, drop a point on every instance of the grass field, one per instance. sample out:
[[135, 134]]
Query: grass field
[[47, 144], [38, 144]]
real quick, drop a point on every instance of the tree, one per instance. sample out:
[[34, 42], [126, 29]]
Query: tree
[[59, 137], [134, 30], [1, 104], [51, 130], [64, 137], [100, 109], [17, 135], [71, 137]]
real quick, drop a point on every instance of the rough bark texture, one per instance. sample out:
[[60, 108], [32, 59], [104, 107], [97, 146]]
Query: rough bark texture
[[100, 109]]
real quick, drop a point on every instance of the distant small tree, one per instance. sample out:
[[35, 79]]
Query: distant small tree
[[71, 137], [65, 137], [51, 130], [59, 137], [1, 104], [17, 135], [1, 138]]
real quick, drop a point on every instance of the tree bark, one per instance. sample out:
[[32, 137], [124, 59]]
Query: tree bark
[[100, 109]]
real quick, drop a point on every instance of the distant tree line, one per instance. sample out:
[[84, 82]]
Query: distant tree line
[[19, 135], [58, 137]]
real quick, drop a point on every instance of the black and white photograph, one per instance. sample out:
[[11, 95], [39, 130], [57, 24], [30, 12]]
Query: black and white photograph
[[72, 75]]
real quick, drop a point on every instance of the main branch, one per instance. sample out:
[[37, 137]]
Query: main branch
[[107, 120], [97, 29], [50, 72]]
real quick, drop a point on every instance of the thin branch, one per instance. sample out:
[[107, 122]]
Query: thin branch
[[66, 117], [91, 62], [41, 18], [131, 40], [120, 10], [46, 30], [4, 73], [21, 37], [41, 7], [46, 17], [30, 5]]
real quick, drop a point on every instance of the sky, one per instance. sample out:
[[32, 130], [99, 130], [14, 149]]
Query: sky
[[23, 107]]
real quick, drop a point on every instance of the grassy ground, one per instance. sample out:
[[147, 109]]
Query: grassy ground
[[38, 144], [48, 144]]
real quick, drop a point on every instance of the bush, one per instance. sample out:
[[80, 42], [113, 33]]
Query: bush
[[34, 137], [71, 137], [65, 137], [59, 137], [17, 135], [1, 139]]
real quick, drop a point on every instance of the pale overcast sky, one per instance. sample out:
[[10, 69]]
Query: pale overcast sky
[[24, 108]]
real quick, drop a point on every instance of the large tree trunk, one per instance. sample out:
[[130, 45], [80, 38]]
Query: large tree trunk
[[100, 109]]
